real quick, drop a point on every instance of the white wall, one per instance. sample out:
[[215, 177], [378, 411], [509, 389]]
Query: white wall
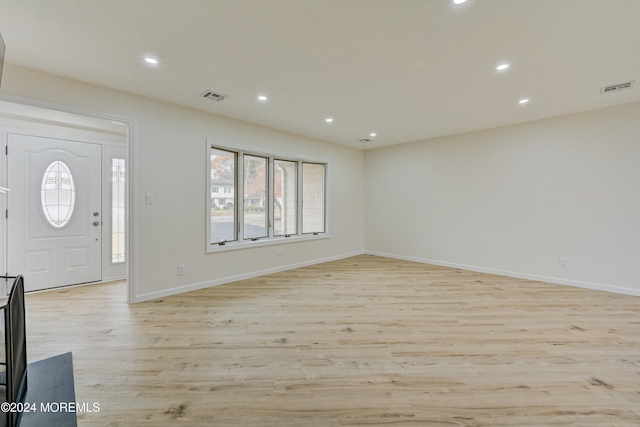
[[514, 200], [169, 161]]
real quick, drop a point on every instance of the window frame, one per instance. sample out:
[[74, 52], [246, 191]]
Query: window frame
[[271, 238]]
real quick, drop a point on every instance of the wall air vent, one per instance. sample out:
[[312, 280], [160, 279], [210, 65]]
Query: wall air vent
[[618, 87], [214, 96]]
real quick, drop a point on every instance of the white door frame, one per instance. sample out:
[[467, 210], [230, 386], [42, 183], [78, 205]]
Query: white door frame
[[130, 151]]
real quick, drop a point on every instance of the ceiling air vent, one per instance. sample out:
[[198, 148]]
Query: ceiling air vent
[[214, 96], [364, 140], [617, 88]]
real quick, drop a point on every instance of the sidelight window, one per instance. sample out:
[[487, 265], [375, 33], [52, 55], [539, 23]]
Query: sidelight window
[[117, 210]]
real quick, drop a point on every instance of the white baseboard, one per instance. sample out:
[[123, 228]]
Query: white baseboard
[[555, 280], [209, 283]]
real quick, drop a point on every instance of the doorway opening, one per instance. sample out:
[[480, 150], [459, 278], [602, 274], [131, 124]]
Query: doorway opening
[[65, 219]]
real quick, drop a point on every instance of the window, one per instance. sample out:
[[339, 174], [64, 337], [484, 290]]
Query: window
[[255, 197], [312, 198], [57, 194], [223, 216], [266, 198], [285, 205], [117, 210]]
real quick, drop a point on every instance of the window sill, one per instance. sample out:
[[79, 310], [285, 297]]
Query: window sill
[[248, 244]]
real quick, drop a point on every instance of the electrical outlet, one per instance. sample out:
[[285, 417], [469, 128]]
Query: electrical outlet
[[180, 270], [149, 199], [562, 262]]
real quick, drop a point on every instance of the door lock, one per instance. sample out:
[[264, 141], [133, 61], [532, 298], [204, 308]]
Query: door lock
[[96, 223], [96, 214]]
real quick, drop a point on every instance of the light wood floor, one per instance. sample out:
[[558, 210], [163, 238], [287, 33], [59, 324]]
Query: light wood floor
[[362, 341]]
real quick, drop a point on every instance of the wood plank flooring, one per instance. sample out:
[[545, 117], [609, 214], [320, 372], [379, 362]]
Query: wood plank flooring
[[364, 341]]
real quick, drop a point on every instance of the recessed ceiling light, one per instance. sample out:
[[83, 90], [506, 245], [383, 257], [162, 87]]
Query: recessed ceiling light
[[262, 98], [459, 1], [150, 60], [502, 67], [372, 134], [523, 101], [328, 120]]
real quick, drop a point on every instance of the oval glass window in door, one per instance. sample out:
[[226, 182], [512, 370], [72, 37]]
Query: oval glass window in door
[[58, 194]]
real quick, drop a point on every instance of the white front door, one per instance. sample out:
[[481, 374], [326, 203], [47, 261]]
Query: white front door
[[54, 211]]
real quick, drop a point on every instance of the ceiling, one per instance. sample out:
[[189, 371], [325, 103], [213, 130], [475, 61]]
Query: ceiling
[[405, 69]]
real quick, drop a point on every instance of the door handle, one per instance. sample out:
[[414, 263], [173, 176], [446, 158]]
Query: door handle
[[96, 223]]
